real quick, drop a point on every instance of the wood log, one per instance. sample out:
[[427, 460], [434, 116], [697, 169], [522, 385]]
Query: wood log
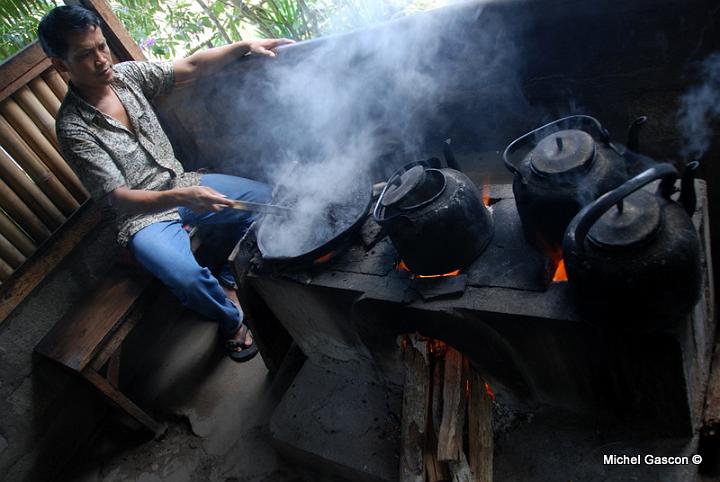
[[50, 156], [450, 442], [10, 253], [480, 430], [460, 469], [37, 112], [57, 84], [47, 97], [436, 471], [29, 192], [22, 215], [5, 270], [38, 171], [416, 401], [15, 235]]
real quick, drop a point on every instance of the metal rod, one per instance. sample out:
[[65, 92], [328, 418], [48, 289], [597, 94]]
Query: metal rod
[[262, 208]]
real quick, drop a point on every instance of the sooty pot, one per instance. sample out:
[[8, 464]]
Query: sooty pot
[[434, 217], [633, 257]]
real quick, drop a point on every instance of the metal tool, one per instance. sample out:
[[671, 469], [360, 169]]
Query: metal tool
[[262, 208]]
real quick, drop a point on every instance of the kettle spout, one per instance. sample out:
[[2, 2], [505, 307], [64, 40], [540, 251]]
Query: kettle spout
[[688, 199], [633, 138]]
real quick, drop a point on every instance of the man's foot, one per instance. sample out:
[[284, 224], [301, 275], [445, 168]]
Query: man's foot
[[241, 346]]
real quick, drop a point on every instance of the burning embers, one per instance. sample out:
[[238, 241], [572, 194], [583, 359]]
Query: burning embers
[[402, 266]]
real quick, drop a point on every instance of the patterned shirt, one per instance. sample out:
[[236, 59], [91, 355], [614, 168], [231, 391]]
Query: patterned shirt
[[106, 155]]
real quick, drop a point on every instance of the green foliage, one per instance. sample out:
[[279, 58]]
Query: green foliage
[[18, 23]]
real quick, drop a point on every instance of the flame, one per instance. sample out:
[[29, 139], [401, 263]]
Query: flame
[[560, 274], [324, 258], [489, 391], [486, 191], [402, 266]]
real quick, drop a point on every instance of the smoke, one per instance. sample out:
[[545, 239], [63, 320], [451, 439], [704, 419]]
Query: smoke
[[699, 107], [348, 107]]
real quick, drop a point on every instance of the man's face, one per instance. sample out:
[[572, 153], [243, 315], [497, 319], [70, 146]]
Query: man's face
[[88, 61]]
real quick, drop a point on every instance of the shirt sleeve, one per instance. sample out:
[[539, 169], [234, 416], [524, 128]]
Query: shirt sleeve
[[93, 165], [153, 78]]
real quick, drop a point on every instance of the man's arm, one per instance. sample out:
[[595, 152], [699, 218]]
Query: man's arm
[[211, 60], [197, 198]]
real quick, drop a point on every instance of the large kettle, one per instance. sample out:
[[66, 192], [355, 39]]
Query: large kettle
[[434, 217], [633, 257], [557, 169]]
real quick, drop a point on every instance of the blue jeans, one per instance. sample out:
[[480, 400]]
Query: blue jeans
[[163, 249]]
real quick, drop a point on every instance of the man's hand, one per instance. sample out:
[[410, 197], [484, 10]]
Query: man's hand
[[267, 46], [202, 199]]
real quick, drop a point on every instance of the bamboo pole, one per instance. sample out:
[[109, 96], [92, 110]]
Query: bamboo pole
[[10, 253], [46, 96], [22, 214], [22, 124], [57, 84], [15, 235], [5, 270], [38, 171], [29, 192], [37, 112]]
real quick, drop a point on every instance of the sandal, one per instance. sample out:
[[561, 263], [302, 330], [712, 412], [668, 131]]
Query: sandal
[[246, 352]]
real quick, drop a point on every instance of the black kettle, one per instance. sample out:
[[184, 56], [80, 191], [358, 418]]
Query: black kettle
[[434, 217], [557, 169], [633, 257]]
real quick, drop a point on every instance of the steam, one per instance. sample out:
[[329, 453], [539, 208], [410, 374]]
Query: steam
[[699, 107], [352, 108]]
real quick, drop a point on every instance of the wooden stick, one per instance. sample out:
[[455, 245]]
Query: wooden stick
[[416, 398], [480, 431], [29, 192], [37, 112], [24, 126], [10, 253], [436, 471], [450, 443], [57, 84], [15, 235], [460, 469], [47, 97], [22, 215], [38, 171]]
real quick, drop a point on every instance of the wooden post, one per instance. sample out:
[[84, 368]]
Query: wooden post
[[25, 127], [480, 431], [450, 443], [416, 399]]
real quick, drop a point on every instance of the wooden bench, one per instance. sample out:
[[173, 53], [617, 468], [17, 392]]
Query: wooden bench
[[88, 339]]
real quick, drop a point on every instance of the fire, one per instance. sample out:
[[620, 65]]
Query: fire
[[324, 258], [486, 190], [489, 391], [560, 274], [402, 266]]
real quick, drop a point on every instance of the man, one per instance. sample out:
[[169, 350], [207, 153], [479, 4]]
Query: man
[[109, 132]]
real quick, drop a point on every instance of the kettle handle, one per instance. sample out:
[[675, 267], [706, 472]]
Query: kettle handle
[[570, 122], [580, 225], [377, 214]]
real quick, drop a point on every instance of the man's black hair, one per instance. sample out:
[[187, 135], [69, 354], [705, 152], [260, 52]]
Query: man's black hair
[[59, 22]]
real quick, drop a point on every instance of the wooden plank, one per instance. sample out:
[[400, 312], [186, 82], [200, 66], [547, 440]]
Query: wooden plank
[[118, 38], [44, 150], [113, 369], [122, 402], [480, 431], [47, 257], [416, 401], [77, 337], [19, 69], [450, 443]]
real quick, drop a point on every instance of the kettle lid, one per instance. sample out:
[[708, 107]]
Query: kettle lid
[[406, 183], [562, 153], [633, 222]]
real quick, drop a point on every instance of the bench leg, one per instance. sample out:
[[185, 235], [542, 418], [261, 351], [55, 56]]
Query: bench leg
[[113, 369], [123, 402]]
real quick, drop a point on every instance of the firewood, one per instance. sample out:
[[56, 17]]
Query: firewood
[[436, 471], [416, 400], [460, 469], [480, 431], [450, 443]]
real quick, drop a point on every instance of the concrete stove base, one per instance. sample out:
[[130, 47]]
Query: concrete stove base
[[340, 419]]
